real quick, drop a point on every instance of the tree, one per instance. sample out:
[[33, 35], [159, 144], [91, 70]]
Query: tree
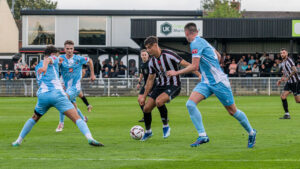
[[31, 4], [220, 9]]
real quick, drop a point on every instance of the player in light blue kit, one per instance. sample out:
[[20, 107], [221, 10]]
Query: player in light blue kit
[[51, 94], [214, 81], [71, 72]]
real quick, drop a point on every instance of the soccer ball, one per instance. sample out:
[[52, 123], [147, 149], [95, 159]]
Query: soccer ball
[[137, 132]]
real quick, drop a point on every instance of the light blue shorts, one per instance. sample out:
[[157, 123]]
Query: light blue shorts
[[73, 93], [222, 90], [55, 98]]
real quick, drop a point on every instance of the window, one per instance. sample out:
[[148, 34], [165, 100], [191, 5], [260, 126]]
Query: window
[[41, 30], [92, 30]]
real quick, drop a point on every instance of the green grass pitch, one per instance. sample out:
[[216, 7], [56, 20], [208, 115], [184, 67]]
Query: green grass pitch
[[277, 146]]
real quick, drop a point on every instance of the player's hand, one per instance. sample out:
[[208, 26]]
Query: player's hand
[[142, 101], [93, 77], [171, 73], [278, 82], [284, 79], [42, 70], [200, 77], [138, 86]]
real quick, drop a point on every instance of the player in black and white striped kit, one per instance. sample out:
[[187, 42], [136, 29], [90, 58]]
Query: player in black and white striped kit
[[166, 89], [292, 79]]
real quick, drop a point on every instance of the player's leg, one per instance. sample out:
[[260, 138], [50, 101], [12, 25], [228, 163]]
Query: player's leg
[[85, 101], [284, 101], [41, 108], [223, 92], [142, 107], [297, 92], [200, 92], [149, 106], [64, 105]]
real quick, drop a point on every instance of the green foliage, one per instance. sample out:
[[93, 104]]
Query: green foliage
[[220, 9], [31, 4]]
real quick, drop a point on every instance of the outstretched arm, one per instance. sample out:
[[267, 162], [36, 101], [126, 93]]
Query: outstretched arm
[[91, 65], [46, 62], [189, 68]]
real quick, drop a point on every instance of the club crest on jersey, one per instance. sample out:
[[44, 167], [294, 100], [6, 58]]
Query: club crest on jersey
[[70, 69], [194, 51]]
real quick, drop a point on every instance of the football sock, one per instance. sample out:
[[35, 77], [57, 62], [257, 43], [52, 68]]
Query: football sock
[[85, 101], [61, 117], [285, 105], [142, 107], [148, 120], [163, 114], [84, 128], [26, 129], [242, 118], [196, 117], [80, 114]]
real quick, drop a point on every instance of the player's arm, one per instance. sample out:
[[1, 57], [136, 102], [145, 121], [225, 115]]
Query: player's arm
[[189, 68], [46, 62], [220, 58], [140, 79], [91, 65], [186, 64], [293, 73], [148, 87]]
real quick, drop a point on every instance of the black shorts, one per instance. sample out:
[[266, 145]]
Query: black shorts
[[142, 91], [172, 91], [293, 88]]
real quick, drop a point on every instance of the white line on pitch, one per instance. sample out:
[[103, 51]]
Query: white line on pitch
[[151, 159]]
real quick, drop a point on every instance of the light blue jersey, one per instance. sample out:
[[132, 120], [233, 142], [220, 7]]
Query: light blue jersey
[[214, 80], [49, 81], [50, 92], [209, 66], [71, 70]]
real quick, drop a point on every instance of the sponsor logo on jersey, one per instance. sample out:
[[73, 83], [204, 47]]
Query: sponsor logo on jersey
[[70, 69], [194, 51]]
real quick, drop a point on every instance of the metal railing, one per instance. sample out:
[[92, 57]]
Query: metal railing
[[127, 86]]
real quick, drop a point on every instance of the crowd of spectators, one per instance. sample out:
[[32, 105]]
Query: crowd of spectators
[[255, 65]]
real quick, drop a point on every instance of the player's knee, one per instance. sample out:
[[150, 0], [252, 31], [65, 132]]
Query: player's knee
[[298, 101], [190, 104], [283, 97], [159, 103], [147, 109]]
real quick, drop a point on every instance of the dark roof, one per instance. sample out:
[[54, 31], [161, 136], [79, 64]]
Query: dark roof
[[112, 12], [270, 14]]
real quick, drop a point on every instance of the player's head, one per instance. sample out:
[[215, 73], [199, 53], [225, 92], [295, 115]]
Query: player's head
[[151, 44], [50, 50], [190, 30], [69, 47], [283, 53], [144, 55]]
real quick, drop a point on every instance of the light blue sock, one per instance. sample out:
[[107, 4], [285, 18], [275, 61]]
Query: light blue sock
[[27, 127], [61, 117], [80, 114], [83, 127], [242, 118], [195, 116]]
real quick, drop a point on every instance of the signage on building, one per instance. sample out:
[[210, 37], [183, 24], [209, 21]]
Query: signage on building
[[175, 28], [296, 28]]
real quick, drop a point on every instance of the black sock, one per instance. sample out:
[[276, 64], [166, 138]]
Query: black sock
[[85, 101], [163, 114], [148, 120], [285, 105], [142, 107]]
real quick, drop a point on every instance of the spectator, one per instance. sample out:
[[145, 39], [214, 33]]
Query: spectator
[[248, 71], [25, 70], [17, 75], [6, 68], [26, 75], [275, 70], [251, 61], [122, 69], [232, 69], [277, 61], [242, 69], [106, 73], [263, 71], [116, 65], [110, 66], [255, 70], [97, 68], [104, 65], [227, 62], [32, 67], [240, 64], [258, 63], [113, 74], [9, 75], [262, 58], [268, 63], [132, 69]]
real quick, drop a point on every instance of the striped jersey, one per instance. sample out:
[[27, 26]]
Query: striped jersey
[[209, 66], [49, 81], [168, 60], [71, 70], [287, 70]]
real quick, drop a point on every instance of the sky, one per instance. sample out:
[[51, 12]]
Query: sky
[[248, 5]]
